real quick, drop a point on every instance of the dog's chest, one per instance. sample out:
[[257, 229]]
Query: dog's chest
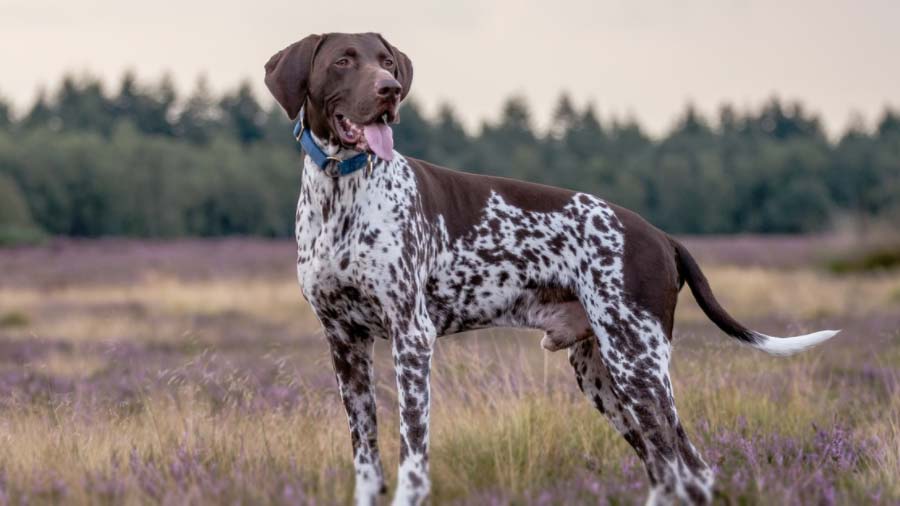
[[346, 232]]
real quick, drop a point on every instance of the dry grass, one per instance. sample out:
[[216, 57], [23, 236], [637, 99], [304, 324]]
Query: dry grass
[[177, 390], [797, 294]]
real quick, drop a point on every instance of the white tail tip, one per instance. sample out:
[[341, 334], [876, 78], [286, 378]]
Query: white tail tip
[[791, 345]]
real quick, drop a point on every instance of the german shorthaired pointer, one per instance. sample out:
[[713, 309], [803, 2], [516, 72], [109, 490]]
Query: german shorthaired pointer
[[397, 248]]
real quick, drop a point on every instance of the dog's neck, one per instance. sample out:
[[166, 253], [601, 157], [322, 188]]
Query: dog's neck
[[321, 182]]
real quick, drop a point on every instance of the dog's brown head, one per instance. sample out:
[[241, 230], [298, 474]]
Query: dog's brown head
[[351, 85]]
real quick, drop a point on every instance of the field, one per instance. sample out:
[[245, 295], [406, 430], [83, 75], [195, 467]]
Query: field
[[192, 372]]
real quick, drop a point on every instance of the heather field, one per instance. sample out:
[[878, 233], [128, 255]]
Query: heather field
[[192, 372]]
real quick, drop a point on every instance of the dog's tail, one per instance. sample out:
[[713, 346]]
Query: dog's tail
[[690, 272]]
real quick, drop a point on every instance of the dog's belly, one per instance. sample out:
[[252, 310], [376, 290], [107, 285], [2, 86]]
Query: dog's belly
[[457, 308], [554, 309], [466, 293]]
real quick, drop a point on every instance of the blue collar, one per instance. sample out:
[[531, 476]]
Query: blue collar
[[343, 167]]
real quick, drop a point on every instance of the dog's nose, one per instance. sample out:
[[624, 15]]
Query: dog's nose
[[388, 88]]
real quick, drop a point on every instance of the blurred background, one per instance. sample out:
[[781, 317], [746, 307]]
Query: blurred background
[[705, 117], [154, 346]]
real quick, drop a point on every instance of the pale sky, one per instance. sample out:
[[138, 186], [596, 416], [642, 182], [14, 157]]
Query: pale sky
[[638, 58]]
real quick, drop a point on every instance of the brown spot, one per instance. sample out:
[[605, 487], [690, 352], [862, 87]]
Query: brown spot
[[461, 197]]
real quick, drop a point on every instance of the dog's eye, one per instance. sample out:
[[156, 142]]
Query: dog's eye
[[388, 62], [343, 62]]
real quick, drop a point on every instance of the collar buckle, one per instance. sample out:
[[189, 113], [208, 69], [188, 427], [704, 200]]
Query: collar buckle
[[332, 166]]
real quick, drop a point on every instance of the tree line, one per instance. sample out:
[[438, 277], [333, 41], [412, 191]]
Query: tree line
[[142, 161]]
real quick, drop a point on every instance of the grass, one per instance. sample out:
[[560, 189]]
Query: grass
[[13, 319], [877, 259], [160, 387]]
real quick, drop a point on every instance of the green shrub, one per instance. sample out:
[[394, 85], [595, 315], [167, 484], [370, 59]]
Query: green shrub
[[879, 259], [16, 225], [14, 319]]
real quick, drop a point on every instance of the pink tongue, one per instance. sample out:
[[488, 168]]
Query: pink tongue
[[380, 138]]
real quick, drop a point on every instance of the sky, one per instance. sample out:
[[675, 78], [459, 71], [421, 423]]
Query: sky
[[636, 58]]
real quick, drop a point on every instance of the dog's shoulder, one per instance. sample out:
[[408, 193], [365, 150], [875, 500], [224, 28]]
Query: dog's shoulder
[[525, 195], [462, 196]]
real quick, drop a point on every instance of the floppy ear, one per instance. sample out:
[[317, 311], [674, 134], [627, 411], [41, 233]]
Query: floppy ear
[[287, 73], [403, 70]]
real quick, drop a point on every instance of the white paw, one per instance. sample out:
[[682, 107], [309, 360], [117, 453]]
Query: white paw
[[412, 489], [368, 486]]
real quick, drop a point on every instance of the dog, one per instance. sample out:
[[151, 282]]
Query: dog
[[397, 248]]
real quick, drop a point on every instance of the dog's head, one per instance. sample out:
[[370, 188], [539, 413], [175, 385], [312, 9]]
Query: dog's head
[[350, 84]]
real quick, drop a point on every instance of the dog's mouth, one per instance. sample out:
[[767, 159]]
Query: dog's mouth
[[374, 135]]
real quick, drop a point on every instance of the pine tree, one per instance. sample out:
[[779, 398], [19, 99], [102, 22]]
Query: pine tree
[[449, 138], [5, 113], [199, 116], [40, 114], [565, 118], [82, 105], [245, 116]]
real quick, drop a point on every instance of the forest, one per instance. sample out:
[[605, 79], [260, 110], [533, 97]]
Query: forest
[[142, 161]]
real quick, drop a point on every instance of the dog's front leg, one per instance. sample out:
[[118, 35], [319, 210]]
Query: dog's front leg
[[412, 365], [351, 355]]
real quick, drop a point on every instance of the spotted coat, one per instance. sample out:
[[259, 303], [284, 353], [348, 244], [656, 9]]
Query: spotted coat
[[382, 254]]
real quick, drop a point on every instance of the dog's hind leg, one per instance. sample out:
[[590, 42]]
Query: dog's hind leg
[[351, 355], [637, 399], [629, 291], [594, 382]]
